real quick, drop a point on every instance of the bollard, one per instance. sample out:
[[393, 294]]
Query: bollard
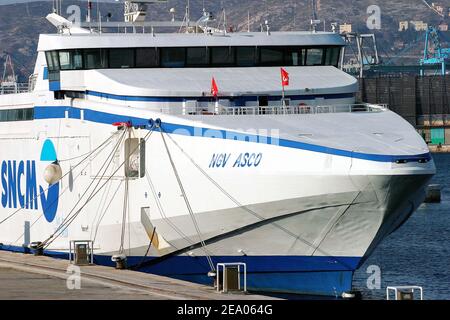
[[37, 248], [120, 260], [352, 295]]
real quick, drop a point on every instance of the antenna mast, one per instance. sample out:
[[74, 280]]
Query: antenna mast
[[314, 9], [314, 19]]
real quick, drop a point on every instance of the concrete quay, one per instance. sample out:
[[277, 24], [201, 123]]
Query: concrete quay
[[29, 277]]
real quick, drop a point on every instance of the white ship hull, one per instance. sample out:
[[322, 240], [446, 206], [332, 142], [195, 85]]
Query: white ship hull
[[302, 220], [300, 189]]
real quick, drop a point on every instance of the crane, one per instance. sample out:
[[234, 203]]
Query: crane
[[8, 82], [433, 8], [433, 53]]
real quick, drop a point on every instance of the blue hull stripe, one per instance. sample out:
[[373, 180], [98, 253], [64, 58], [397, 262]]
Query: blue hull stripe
[[203, 99], [295, 274], [54, 85], [57, 112]]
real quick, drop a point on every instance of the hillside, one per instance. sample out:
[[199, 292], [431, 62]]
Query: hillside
[[21, 23]]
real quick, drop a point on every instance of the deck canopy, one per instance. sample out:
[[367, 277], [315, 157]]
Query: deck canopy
[[189, 82], [120, 40]]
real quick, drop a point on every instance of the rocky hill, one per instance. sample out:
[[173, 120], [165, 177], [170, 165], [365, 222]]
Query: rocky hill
[[21, 23]]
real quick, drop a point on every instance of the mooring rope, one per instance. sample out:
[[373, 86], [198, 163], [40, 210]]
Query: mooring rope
[[45, 190], [252, 212], [105, 210], [93, 194], [62, 192], [188, 205], [70, 217]]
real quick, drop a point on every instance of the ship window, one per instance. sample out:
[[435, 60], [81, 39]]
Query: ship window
[[121, 58], [295, 56], [77, 59], [71, 60], [50, 65], [55, 60], [222, 56], [29, 114], [173, 57], [332, 57], [314, 57], [64, 60], [146, 58], [16, 115], [272, 56], [95, 59], [13, 115], [245, 56], [197, 57]]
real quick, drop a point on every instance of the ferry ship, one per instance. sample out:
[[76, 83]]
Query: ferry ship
[[120, 140]]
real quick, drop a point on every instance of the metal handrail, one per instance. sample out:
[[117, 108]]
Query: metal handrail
[[282, 110], [411, 289], [13, 88]]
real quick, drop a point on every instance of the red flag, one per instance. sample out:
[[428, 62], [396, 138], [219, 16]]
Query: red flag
[[284, 77], [214, 88]]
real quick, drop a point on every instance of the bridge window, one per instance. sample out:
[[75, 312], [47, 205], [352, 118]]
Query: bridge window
[[16, 115], [222, 56], [295, 56], [332, 56], [147, 58], [77, 59], [55, 60], [173, 57], [200, 57], [71, 60], [314, 57], [64, 60], [197, 57], [50, 65], [271, 56], [121, 58], [96, 58], [245, 56]]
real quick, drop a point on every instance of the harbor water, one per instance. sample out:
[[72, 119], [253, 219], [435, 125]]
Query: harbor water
[[419, 252]]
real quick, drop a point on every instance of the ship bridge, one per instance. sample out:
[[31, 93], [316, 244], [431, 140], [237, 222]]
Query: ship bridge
[[172, 68]]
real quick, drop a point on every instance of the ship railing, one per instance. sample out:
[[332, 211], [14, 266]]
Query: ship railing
[[282, 110], [303, 109], [13, 88]]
